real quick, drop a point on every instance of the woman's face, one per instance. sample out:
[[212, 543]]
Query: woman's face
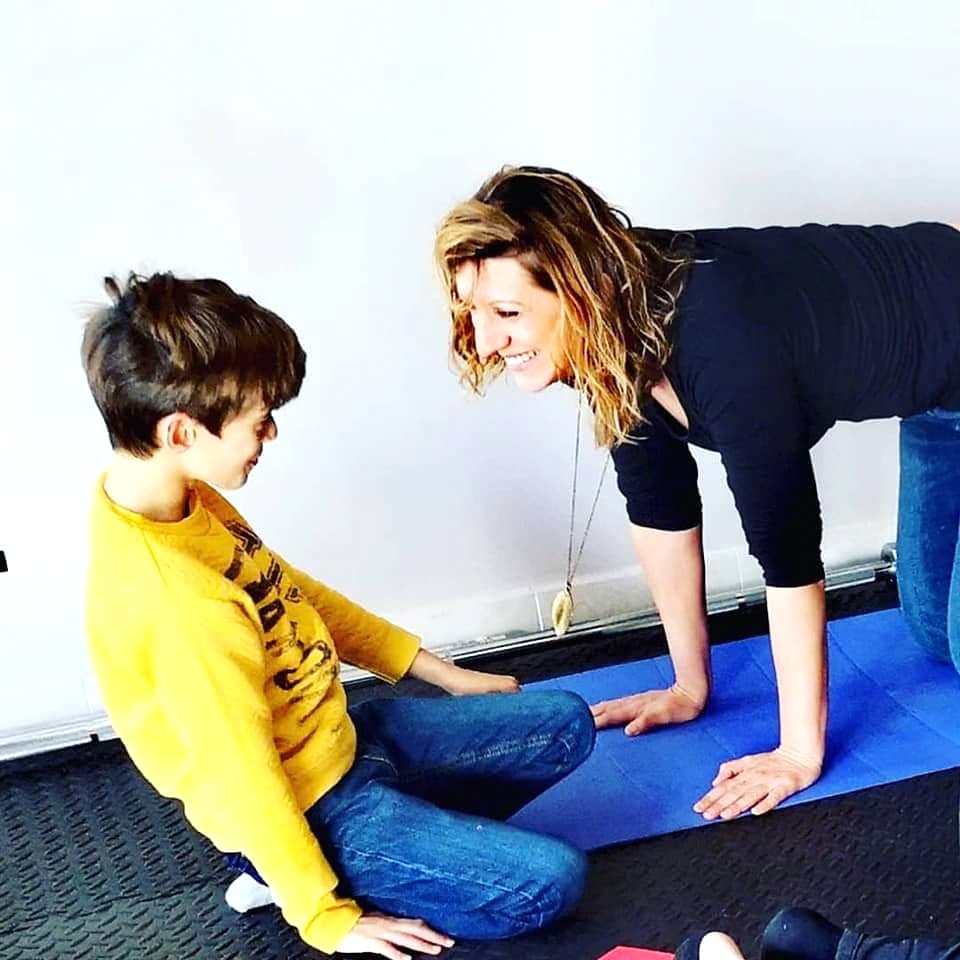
[[513, 318]]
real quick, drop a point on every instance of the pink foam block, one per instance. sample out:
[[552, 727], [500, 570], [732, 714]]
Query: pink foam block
[[635, 953]]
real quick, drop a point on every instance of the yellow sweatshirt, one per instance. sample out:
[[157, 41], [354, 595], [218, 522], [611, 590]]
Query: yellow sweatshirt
[[219, 668]]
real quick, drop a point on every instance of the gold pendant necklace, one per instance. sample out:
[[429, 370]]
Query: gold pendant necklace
[[562, 609]]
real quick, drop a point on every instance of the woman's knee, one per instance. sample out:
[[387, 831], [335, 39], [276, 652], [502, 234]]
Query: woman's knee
[[929, 633], [953, 633]]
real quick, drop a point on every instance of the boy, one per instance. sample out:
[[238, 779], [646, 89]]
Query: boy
[[219, 662]]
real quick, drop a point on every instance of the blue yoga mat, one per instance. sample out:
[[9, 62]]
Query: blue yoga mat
[[894, 714]]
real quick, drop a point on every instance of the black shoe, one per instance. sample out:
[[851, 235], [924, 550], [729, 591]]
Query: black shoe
[[795, 933]]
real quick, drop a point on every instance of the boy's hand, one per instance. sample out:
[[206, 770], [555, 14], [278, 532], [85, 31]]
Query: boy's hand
[[384, 936], [457, 680]]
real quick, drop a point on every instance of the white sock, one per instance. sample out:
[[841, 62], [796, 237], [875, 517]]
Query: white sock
[[245, 894]]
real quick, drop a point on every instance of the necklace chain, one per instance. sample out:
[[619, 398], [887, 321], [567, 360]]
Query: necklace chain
[[574, 562]]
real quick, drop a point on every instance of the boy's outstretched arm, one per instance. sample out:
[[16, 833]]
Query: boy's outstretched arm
[[458, 680], [375, 644], [361, 638]]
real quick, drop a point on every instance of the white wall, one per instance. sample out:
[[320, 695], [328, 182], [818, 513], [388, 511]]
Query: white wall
[[304, 152]]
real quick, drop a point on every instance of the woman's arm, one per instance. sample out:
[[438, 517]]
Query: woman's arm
[[673, 563], [798, 625], [756, 414], [658, 477]]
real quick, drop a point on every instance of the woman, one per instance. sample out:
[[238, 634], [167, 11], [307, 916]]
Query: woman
[[749, 342]]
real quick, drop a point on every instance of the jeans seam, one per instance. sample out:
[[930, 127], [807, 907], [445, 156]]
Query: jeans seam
[[376, 759], [456, 879], [849, 945], [511, 746]]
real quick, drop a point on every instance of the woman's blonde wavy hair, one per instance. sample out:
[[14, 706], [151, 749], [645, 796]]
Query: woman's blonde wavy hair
[[618, 286]]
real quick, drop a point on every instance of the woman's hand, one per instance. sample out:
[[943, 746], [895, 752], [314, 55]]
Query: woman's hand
[[644, 711], [757, 783], [458, 680], [384, 936]]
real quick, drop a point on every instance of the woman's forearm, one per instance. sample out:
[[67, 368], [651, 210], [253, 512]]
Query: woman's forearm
[[673, 564], [798, 638]]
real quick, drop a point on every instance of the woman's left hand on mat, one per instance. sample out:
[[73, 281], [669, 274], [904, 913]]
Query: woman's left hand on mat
[[757, 783]]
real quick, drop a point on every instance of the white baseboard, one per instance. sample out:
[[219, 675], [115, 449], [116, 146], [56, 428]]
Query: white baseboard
[[39, 739]]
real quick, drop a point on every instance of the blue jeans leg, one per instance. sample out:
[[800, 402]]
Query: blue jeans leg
[[857, 946], [487, 755], [398, 847], [928, 531], [796, 933]]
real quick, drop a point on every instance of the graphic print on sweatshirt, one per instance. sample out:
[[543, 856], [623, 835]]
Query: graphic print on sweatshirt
[[301, 660]]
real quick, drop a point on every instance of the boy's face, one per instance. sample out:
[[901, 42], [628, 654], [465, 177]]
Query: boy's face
[[226, 461]]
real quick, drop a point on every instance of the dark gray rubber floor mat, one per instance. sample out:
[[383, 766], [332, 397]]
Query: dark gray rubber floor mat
[[94, 864]]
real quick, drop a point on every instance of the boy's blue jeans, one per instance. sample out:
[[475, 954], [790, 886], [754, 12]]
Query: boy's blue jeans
[[928, 531], [415, 827]]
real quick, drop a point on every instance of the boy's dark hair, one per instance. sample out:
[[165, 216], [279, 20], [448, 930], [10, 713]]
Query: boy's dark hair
[[168, 345]]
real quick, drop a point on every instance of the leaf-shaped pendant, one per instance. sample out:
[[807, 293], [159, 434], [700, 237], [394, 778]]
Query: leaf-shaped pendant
[[562, 611]]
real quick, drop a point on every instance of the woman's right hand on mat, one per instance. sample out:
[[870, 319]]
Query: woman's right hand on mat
[[382, 935], [643, 711], [758, 783]]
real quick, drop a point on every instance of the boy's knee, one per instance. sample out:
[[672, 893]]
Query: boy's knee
[[569, 880], [561, 875], [544, 884], [577, 728]]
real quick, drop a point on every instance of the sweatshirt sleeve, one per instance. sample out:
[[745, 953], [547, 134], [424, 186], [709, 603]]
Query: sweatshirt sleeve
[[361, 638], [209, 672]]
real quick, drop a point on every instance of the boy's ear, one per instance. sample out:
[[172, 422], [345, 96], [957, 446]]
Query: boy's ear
[[177, 432]]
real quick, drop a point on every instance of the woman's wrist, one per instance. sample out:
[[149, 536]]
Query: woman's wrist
[[696, 691], [807, 756]]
